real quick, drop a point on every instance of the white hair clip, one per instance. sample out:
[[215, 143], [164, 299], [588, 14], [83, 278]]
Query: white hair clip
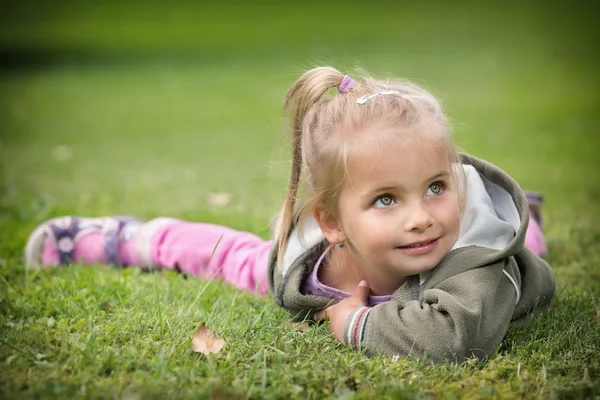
[[368, 97]]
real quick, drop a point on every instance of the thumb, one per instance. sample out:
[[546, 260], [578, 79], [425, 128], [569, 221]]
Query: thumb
[[362, 291]]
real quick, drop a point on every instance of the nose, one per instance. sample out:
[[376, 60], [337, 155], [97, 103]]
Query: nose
[[418, 219]]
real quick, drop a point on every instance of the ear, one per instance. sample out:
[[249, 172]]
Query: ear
[[330, 226]]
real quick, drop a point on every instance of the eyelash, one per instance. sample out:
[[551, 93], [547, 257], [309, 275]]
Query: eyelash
[[383, 196], [441, 184]]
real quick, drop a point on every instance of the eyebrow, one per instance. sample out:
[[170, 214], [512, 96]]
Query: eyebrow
[[389, 187]]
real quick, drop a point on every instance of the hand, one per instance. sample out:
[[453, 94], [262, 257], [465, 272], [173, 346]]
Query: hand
[[337, 314]]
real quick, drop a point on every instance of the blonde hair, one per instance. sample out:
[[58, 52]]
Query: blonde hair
[[327, 128]]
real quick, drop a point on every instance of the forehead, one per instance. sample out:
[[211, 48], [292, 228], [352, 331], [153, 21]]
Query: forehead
[[400, 163]]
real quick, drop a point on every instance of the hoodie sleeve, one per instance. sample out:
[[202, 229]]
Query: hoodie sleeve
[[464, 315]]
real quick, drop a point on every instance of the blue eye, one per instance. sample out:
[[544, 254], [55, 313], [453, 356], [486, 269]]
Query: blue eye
[[384, 201], [435, 188]]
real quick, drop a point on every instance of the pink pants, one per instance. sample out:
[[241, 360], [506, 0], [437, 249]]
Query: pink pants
[[240, 257], [213, 251]]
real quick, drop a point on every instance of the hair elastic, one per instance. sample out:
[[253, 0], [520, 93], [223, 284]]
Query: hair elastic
[[346, 85], [369, 96]]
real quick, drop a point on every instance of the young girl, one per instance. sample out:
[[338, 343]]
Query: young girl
[[404, 245]]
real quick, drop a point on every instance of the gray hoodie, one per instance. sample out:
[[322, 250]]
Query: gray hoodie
[[462, 307]]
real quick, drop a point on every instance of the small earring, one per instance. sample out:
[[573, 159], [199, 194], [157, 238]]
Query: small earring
[[340, 244]]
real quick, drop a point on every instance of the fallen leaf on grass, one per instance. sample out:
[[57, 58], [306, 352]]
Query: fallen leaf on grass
[[218, 199], [301, 326], [206, 342]]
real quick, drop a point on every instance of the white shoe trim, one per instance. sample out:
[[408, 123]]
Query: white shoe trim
[[35, 246]]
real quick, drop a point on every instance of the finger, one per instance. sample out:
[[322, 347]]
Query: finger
[[362, 291]]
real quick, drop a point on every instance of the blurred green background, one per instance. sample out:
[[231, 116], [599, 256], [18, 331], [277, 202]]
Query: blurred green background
[[146, 107]]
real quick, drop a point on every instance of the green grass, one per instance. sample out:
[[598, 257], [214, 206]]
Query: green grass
[[157, 107]]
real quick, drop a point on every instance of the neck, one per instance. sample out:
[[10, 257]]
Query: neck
[[344, 270]]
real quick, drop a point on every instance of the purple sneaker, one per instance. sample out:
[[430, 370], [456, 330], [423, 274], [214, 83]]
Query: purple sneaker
[[64, 233]]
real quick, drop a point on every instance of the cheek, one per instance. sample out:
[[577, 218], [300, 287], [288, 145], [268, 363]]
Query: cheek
[[449, 214], [375, 229], [364, 226]]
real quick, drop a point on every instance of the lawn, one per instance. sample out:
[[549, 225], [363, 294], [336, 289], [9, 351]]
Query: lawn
[[129, 108]]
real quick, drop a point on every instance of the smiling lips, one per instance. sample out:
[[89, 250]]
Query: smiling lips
[[419, 248]]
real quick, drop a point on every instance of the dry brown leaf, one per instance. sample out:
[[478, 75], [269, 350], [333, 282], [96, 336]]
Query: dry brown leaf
[[301, 326], [218, 199], [206, 342]]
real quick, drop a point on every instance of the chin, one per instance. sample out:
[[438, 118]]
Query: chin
[[420, 267]]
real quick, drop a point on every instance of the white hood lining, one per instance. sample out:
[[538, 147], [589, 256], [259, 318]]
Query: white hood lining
[[490, 218]]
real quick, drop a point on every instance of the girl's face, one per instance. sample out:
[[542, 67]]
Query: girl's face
[[398, 210]]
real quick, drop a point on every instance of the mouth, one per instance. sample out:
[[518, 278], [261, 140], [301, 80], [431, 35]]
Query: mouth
[[418, 244], [420, 247]]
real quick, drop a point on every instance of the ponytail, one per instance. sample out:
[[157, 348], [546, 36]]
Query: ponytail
[[306, 93]]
